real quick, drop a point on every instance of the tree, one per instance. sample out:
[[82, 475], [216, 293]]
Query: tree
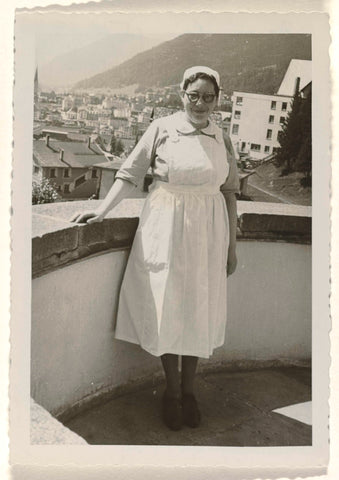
[[295, 152], [303, 162], [119, 148], [113, 143], [43, 192], [116, 146], [289, 138]]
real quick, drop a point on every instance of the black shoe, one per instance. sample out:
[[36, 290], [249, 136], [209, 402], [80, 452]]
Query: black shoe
[[172, 412], [191, 413]]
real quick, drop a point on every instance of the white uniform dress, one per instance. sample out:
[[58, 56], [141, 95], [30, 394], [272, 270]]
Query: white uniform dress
[[173, 295]]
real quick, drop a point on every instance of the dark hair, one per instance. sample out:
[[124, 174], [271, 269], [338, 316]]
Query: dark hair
[[204, 76]]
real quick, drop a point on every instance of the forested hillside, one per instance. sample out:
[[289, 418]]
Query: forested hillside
[[249, 62]]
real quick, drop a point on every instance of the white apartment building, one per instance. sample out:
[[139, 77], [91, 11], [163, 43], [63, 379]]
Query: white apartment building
[[256, 121]]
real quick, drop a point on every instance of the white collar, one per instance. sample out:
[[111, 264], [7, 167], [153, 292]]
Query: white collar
[[182, 125]]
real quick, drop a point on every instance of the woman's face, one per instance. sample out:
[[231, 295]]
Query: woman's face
[[199, 112]]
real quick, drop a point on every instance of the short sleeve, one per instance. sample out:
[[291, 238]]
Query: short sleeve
[[231, 184], [138, 162]]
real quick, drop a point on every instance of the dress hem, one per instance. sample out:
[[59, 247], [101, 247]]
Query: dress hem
[[170, 351]]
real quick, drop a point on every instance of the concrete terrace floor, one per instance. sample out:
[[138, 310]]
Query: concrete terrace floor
[[237, 410]]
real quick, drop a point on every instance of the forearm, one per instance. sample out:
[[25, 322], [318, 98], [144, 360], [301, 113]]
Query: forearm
[[231, 203], [119, 190]]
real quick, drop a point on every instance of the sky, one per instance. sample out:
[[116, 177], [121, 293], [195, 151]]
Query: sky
[[58, 33]]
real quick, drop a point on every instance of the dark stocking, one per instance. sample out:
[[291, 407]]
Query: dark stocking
[[171, 369], [188, 369]]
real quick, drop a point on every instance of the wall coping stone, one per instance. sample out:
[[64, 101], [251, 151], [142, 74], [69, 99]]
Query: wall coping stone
[[57, 242], [47, 430]]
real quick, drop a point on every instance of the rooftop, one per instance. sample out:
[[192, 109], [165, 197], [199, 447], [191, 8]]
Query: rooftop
[[76, 154], [115, 164], [262, 95], [296, 68]]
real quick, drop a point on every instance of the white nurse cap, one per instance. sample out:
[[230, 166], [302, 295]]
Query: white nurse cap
[[200, 69]]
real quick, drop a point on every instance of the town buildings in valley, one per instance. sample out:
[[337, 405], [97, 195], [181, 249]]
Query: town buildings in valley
[[73, 135], [74, 131]]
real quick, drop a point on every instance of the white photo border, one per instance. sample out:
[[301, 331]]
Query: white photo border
[[315, 456]]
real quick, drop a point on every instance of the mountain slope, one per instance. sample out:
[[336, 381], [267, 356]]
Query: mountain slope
[[70, 67], [250, 62]]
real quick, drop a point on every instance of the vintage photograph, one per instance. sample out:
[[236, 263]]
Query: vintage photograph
[[171, 189]]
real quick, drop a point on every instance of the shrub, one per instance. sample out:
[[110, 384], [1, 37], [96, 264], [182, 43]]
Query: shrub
[[43, 191]]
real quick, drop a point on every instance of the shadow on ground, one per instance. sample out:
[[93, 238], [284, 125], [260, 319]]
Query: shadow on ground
[[236, 411]]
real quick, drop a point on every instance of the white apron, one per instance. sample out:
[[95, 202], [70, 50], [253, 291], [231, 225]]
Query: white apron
[[173, 295]]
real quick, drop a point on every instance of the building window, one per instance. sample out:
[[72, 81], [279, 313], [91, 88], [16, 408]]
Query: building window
[[80, 180], [239, 100], [269, 134], [235, 129], [52, 173], [94, 173], [66, 172], [271, 119], [282, 120], [273, 105], [284, 106], [255, 147], [36, 169], [237, 114], [59, 188], [243, 146], [267, 149], [66, 188]]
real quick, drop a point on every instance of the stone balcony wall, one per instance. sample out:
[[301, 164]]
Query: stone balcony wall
[[77, 272], [57, 242]]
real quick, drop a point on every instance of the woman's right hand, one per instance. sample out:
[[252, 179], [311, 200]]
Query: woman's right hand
[[87, 217]]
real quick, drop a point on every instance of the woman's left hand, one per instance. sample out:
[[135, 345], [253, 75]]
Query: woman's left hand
[[231, 262]]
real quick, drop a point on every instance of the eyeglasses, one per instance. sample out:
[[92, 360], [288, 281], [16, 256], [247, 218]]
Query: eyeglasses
[[193, 97]]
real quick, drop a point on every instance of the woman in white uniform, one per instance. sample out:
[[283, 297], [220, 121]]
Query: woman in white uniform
[[173, 296]]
